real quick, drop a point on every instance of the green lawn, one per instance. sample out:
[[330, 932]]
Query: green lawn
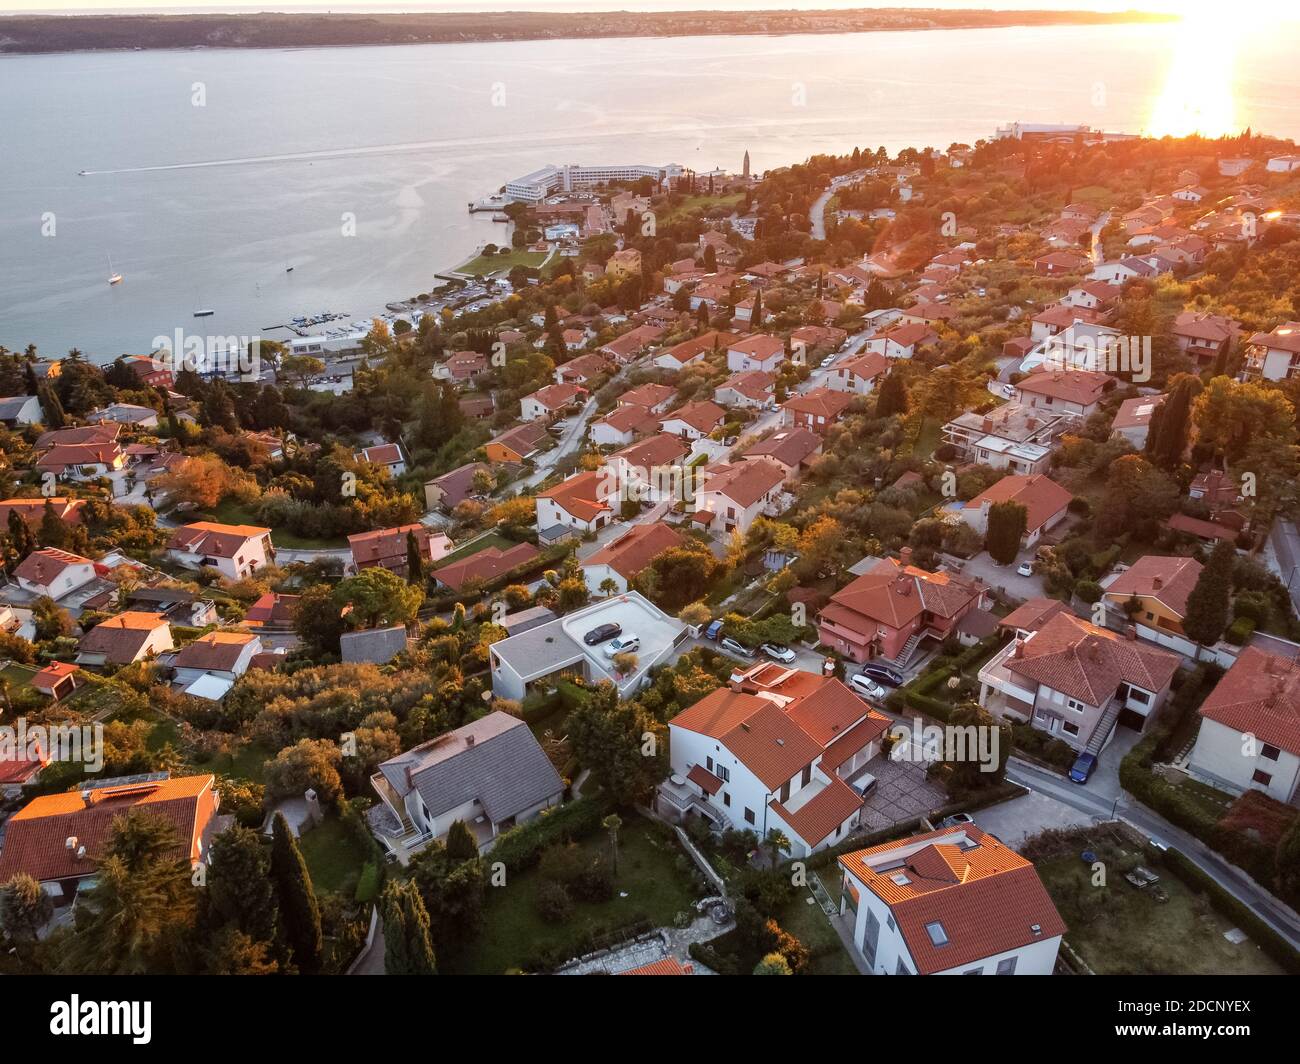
[[18, 677], [656, 888], [248, 762], [492, 539], [810, 925], [333, 858], [928, 437], [1121, 930], [483, 265], [232, 513], [701, 202]]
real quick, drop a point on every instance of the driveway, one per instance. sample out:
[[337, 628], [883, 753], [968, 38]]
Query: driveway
[[1003, 578], [1018, 819], [902, 792]]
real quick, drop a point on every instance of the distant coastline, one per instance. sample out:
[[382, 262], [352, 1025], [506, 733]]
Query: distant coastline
[[45, 34]]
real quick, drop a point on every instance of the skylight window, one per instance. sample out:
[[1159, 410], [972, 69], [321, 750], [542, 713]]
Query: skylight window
[[937, 934]]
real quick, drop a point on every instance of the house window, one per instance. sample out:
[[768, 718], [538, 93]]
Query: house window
[[869, 938], [1074, 705], [973, 971], [902, 968], [1007, 966], [807, 776], [890, 921], [726, 798], [708, 763], [1262, 778], [1140, 697], [785, 792], [1270, 752], [749, 815], [938, 936], [1069, 729], [723, 773]]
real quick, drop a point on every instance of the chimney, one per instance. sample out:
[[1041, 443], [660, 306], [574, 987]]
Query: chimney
[[87, 798], [986, 425], [1019, 651], [905, 556], [1130, 631], [469, 740], [1157, 582]]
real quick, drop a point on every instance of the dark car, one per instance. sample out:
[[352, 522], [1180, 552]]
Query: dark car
[[602, 634], [1083, 767], [713, 630], [883, 674]]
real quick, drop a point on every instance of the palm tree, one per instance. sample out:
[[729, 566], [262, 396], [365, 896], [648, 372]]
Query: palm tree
[[612, 823], [777, 840], [609, 587]]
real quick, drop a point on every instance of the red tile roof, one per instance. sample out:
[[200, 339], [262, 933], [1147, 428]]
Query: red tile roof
[[1039, 494], [637, 548], [1260, 695], [821, 814], [1168, 580]]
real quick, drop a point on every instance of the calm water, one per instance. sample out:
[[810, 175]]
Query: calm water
[[206, 206]]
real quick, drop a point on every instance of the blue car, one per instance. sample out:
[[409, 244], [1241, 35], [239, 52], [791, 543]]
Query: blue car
[[1082, 768], [713, 630]]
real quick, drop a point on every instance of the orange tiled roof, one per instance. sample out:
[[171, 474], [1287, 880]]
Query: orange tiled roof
[[1260, 694]]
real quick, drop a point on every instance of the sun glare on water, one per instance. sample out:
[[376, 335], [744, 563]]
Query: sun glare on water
[[1198, 94]]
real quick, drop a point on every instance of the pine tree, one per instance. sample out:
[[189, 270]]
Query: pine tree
[[1210, 601], [461, 845], [20, 535], [408, 944], [239, 890], [299, 910]]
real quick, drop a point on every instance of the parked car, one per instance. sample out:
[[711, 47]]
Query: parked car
[[627, 644], [1025, 568], [1009, 391], [732, 647], [883, 674], [957, 820], [866, 687], [713, 630], [602, 634], [864, 784], [1083, 768], [777, 652]]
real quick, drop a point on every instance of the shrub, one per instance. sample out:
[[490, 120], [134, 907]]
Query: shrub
[[553, 903], [1239, 631]]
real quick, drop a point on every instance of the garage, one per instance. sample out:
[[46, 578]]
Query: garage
[[1129, 718]]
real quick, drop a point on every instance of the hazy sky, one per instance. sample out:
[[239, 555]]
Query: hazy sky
[[1274, 7]]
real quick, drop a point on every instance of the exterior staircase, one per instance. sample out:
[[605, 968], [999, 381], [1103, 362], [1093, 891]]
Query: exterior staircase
[[1105, 726], [909, 648]]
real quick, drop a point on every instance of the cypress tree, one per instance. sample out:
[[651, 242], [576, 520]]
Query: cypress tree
[[461, 844], [20, 535], [397, 960], [1006, 526], [299, 910], [892, 397], [1210, 600], [53, 532], [756, 316], [414, 560], [240, 891]]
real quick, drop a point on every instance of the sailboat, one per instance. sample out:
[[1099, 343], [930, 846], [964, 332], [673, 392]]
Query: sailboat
[[113, 277]]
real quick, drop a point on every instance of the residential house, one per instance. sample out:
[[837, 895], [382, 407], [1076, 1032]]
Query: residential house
[[624, 264], [388, 455], [1159, 586], [54, 572], [389, 547], [753, 389], [793, 450], [652, 470], [1121, 271], [125, 638], [518, 444], [490, 774], [653, 397], [1250, 728], [775, 751], [451, 489], [483, 566], [621, 559], [1091, 295], [1046, 504], [272, 610], [33, 510], [1077, 392], [890, 609], [955, 901], [582, 370], [82, 461], [901, 341], [1055, 263], [18, 410], [1203, 335], [152, 372], [689, 352], [373, 646], [1011, 437], [1133, 419], [633, 343], [622, 425], [693, 421], [208, 667], [1077, 682], [860, 374], [144, 417], [462, 367], [58, 839], [580, 504], [1274, 356], [234, 551], [730, 496], [759, 351], [548, 402], [57, 680], [816, 410]]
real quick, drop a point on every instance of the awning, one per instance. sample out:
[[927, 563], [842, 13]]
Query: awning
[[702, 777]]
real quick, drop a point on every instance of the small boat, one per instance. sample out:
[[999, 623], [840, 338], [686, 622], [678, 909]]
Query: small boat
[[204, 313], [113, 276], [289, 270], [81, 173]]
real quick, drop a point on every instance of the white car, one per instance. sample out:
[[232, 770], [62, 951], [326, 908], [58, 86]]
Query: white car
[[1025, 569], [864, 784], [777, 652], [626, 644], [866, 687], [1009, 391]]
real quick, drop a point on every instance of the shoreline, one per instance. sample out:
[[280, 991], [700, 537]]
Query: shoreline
[[270, 31]]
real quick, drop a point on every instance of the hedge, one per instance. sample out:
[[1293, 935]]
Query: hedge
[[521, 847], [1236, 910]]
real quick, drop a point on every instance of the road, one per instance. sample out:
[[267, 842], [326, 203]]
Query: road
[[1285, 540], [1121, 807], [568, 442], [817, 214]]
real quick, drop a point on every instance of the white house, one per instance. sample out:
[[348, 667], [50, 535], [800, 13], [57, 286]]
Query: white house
[[901, 341], [759, 351], [1283, 164], [548, 402], [621, 560], [20, 410], [234, 551], [54, 572], [1274, 356], [859, 374], [1250, 728], [731, 496], [1045, 501], [950, 902], [693, 421], [581, 503], [388, 455], [209, 666], [780, 749]]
